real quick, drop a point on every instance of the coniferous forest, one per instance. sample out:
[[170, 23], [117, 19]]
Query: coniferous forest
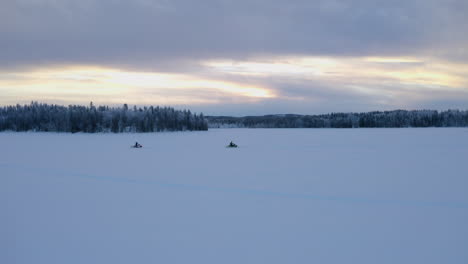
[[396, 118], [90, 119]]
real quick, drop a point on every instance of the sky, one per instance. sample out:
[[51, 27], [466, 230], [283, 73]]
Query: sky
[[237, 57]]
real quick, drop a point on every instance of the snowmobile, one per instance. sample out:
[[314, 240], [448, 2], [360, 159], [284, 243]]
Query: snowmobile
[[231, 145], [137, 145]]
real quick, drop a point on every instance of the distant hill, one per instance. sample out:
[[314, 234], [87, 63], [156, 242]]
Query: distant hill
[[396, 118]]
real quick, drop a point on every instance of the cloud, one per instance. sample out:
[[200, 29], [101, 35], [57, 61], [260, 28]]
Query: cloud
[[81, 84], [139, 32], [267, 56], [354, 83], [265, 85]]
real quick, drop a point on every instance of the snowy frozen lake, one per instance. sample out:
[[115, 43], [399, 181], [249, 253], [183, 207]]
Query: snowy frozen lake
[[285, 196]]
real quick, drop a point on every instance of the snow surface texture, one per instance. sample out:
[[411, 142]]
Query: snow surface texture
[[284, 196]]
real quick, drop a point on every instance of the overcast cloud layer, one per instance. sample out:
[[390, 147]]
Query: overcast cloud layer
[[200, 39]]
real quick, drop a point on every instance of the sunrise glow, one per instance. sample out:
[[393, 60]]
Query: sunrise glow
[[83, 82]]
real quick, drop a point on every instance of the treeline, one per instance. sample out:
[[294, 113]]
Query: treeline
[[90, 119], [397, 118]]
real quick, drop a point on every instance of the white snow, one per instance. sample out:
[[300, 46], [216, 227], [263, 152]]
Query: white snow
[[284, 196]]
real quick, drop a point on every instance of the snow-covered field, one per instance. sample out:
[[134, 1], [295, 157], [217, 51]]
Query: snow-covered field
[[285, 196]]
